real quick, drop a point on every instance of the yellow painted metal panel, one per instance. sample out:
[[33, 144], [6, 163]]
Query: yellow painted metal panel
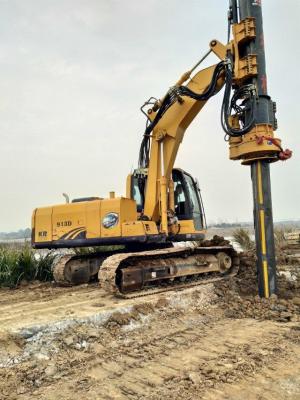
[[128, 210], [68, 220], [135, 228], [139, 228], [150, 227], [93, 225], [42, 224], [187, 226], [110, 206]]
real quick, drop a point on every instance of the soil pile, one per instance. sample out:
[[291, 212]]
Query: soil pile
[[238, 296]]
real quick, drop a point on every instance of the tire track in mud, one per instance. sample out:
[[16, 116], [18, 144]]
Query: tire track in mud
[[164, 366], [178, 354], [41, 305], [184, 345]]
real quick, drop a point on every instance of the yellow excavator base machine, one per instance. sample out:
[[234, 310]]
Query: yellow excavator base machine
[[117, 220]]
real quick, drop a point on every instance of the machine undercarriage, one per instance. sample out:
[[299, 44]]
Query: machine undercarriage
[[132, 274]]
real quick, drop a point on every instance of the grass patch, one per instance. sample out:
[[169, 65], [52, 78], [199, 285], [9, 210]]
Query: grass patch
[[280, 239], [242, 237], [17, 264]]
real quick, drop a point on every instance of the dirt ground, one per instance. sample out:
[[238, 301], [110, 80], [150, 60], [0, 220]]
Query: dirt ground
[[211, 342]]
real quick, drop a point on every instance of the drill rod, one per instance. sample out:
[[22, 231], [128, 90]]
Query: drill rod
[[260, 169], [263, 224]]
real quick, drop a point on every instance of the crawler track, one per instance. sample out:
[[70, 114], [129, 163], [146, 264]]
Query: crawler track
[[136, 274], [59, 269], [109, 269]]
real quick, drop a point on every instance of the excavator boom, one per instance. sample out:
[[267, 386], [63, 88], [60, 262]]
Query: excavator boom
[[169, 131]]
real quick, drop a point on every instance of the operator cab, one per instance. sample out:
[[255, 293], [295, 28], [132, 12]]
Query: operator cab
[[188, 202]]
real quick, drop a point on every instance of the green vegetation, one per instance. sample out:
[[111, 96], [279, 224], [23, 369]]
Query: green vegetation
[[279, 237], [17, 264], [242, 237]]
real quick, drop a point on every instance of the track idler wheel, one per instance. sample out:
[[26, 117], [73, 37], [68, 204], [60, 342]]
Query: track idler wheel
[[225, 261]]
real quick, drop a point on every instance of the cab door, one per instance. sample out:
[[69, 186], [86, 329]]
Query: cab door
[[188, 202]]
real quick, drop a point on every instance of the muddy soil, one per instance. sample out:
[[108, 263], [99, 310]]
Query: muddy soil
[[210, 342]]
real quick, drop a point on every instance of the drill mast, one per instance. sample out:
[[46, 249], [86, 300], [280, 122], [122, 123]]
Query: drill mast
[[248, 118]]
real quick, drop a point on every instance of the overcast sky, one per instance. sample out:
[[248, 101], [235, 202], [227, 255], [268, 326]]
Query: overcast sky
[[74, 74]]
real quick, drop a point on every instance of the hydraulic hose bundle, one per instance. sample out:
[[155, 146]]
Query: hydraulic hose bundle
[[245, 111], [242, 103]]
